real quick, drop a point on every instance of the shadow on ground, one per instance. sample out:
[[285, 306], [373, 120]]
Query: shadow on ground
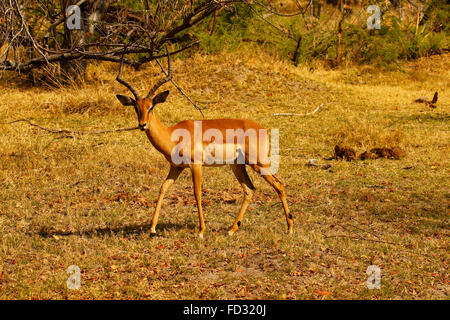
[[131, 229]]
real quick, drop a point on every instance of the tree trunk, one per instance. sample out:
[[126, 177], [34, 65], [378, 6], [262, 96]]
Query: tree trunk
[[91, 12], [339, 35]]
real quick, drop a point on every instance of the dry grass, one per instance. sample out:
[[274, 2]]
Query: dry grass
[[88, 200]]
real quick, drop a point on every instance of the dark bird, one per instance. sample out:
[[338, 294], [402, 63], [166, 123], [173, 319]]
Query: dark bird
[[432, 103]]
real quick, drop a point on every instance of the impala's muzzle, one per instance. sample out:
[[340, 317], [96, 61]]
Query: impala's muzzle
[[143, 127]]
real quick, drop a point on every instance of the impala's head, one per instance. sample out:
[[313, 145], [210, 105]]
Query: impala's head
[[144, 106]]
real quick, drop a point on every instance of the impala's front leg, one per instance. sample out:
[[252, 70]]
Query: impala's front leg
[[174, 173], [196, 170]]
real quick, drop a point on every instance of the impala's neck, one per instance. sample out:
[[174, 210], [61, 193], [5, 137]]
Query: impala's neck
[[159, 135]]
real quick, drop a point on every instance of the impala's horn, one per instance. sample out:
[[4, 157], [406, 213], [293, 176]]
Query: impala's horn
[[126, 84], [163, 80]]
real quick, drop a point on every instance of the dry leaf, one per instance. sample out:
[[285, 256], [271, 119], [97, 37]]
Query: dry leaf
[[322, 293]]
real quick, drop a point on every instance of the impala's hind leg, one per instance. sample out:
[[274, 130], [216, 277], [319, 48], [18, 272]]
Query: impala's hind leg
[[243, 178], [279, 188], [174, 173]]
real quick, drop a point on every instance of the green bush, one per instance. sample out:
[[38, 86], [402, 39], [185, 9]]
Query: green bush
[[395, 41]]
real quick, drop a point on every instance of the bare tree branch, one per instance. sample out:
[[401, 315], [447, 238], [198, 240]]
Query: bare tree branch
[[107, 31], [179, 88]]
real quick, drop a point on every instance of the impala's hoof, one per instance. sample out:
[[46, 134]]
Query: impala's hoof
[[152, 234], [290, 232], [231, 232], [200, 235]]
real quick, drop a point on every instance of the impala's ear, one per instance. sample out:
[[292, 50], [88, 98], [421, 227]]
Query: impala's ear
[[160, 97], [126, 101]]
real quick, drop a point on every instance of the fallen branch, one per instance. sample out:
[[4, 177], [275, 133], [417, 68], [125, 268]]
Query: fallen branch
[[364, 230], [299, 114], [70, 132], [361, 238]]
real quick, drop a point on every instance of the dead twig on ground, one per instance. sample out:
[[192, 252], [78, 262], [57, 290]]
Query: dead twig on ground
[[70, 132], [298, 114], [361, 238]]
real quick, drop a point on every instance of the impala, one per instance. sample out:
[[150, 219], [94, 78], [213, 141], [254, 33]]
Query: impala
[[181, 153]]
